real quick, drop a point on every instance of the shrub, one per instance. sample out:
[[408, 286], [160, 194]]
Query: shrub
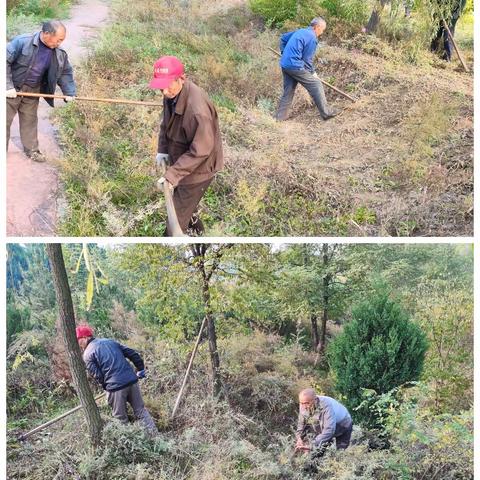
[[124, 447], [379, 350], [431, 445], [274, 12], [301, 12], [25, 16], [352, 11], [18, 320]]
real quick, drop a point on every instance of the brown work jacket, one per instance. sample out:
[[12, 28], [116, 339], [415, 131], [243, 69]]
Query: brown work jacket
[[191, 137]]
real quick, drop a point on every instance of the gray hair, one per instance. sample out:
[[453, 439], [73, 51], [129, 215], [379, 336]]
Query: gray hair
[[317, 21], [308, 392], [52, 26]]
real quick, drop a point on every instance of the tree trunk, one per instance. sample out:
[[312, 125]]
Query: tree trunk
[[212, 334], [326, 297], [325, 314], [374, 20], [67, 323], [212, 337], [315, 338]]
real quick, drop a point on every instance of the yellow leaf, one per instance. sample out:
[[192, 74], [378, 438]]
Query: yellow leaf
[[89, 290], [87, 257], [77, 268]]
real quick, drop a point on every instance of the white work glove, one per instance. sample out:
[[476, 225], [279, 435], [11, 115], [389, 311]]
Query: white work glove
[[11, 93], [162, 160], [315, 74], [69, 99], [162, 182]]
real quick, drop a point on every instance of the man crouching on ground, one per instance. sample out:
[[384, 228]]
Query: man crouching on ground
[[320, 421]]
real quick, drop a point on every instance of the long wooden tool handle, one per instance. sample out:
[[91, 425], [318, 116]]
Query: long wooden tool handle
[[91, 99], [172, 218], [346, 95], [187, 373], [455, 46], [55, 420]]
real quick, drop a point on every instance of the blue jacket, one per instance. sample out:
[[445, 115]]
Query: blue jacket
[[21, 52], [327, 419], [298, 49], [106, 362]]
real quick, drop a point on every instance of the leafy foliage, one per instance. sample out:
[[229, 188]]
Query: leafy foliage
[[262, 297], [275, 12], [25, 16], [378, 350]]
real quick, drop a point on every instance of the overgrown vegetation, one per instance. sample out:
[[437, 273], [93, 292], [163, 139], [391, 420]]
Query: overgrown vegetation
[[397, 162], [25, 16], [379, 350], [153, 302]]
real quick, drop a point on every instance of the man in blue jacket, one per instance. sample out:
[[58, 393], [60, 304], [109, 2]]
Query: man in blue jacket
[[106, 362], [36, 64], [298, 49], [323, 419]]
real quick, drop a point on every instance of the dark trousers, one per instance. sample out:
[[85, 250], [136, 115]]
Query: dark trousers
[[343, 434], [313, 85], [131, 394], [447, 42], [186, 199], [27, 108]]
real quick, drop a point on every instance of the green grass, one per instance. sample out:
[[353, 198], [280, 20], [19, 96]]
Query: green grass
[[26, 16]]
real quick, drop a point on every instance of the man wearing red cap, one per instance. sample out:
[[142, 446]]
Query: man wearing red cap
[[189, 142], [106, 362]]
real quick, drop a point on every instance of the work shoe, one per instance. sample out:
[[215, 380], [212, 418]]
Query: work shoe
[[195, 226], [36, 156], [333, 113]]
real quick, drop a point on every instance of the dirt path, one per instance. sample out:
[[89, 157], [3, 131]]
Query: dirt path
[[34, 193]]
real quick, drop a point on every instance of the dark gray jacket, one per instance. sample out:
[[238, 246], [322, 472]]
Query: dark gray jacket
[[106, 362], [21, 52], [326, 419]]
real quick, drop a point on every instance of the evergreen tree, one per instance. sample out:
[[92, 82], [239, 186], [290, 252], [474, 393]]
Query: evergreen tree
[[380, 349]]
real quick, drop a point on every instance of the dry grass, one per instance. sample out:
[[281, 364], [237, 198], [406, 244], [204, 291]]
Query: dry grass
[[399, 161]]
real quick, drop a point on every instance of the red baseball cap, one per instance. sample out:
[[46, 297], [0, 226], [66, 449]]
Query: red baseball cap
[[84, 331], [165, 71]]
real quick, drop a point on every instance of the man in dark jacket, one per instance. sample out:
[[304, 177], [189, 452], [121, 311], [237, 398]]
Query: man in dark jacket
[[36, 64], [451, 12], [106, 362], [189, 142], [322, 419], [298, 49]]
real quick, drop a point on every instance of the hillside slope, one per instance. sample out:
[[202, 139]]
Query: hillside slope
[[399, 161]]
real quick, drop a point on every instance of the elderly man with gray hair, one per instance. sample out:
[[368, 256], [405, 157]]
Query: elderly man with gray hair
[[298, 49], [36, 64], [321, 420]]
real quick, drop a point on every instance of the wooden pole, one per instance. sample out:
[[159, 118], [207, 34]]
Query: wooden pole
[[455, 46], [172, 218], [92, 99], [187, 373], [55, 420], [329, 85]]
